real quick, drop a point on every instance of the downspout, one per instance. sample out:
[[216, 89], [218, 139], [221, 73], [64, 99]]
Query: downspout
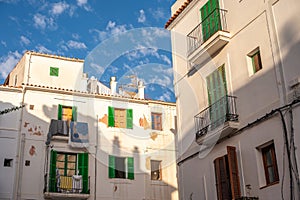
[[96, 153], [28, 72], [19, 156]]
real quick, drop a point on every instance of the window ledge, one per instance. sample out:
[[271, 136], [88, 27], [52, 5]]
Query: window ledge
[[274, 183], [120, 181], [158, 182], [60, 137]]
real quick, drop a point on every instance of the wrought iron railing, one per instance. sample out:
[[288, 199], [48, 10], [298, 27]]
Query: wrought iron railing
[[216, 115], [214, 22], [67, 184]]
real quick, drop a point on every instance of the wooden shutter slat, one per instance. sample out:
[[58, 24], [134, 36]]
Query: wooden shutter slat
[[59, 112], [52, 182], [83, 162], [111, 117], [130, 167], [74, 113], [111, 166], [233, 171], [129, 118]]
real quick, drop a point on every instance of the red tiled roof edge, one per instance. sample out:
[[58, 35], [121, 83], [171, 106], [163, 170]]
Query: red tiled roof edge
[[177, 13]]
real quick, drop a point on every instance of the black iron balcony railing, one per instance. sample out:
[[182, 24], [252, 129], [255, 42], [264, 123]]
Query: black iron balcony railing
[[215, 115], [214, 22], [67, 184]]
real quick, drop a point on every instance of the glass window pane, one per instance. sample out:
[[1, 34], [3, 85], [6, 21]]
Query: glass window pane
[[72, 158], [60, 157], [70, 172], [271, 175], [60, 165], [71, 166]]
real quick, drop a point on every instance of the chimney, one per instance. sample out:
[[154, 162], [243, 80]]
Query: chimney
[[141, 90], [113, 85]]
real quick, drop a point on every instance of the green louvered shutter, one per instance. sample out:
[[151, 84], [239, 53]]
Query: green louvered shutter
[[217, 91], [210, 16], [52, 172], [111, 116], [129, 118], [130, 167], [111, 167], [74, 113], [59, 112], [83, 167]]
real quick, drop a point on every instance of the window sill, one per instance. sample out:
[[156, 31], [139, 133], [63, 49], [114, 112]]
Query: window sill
[[274, 183], [158, 182], [120, 181], [60, 137]]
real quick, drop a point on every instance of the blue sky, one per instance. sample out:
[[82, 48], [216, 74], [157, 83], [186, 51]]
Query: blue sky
[[74, 28]]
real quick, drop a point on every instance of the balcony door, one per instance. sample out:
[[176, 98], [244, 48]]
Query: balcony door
[[210, 16], [217, 91]]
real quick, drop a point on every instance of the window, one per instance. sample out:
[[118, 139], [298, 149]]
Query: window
[[54, 71], [67, 113], [121, 167], [64, 165], [227, 176], [8, 162], [155, 170], [270, 164], [121, 118], [156, 121], [254, 61]]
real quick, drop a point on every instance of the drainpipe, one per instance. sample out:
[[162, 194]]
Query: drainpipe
[[96, 153], [28, 72], [19, 156]]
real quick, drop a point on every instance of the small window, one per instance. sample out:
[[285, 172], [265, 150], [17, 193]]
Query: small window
[[156, 170], [120, 118], [8, 162], [67, 113], [121, 167], [270, 164], [27, 163], [156, 120], [54, 71], [254, 61]]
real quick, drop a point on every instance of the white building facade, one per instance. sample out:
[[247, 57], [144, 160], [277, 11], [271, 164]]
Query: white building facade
[[237, 90], [71, 142]]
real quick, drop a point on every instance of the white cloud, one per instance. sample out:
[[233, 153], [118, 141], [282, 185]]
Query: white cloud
[[42, 49], [3, 43], [24, 40], [142, 17], [158, 14], [84, 5], [75, 36], [81, 2], [8, 62], [166, 59], [59, 8], [112, 29], [165, 97], [76, 45], [99, 69], [41, 21]]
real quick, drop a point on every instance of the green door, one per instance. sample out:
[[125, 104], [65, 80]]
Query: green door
[[210, 16], [217, 91]]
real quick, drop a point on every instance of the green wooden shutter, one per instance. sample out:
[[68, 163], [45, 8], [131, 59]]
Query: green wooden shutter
[[130, 168], [74, 113], [217, 91], [111, 116], [129, 118], [52, 171], [111, 167], [83, 167], [210, 16], [59, 112]]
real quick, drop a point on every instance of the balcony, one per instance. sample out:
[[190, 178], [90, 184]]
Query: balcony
[[218, 120], [208, 36], [66, 187]]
